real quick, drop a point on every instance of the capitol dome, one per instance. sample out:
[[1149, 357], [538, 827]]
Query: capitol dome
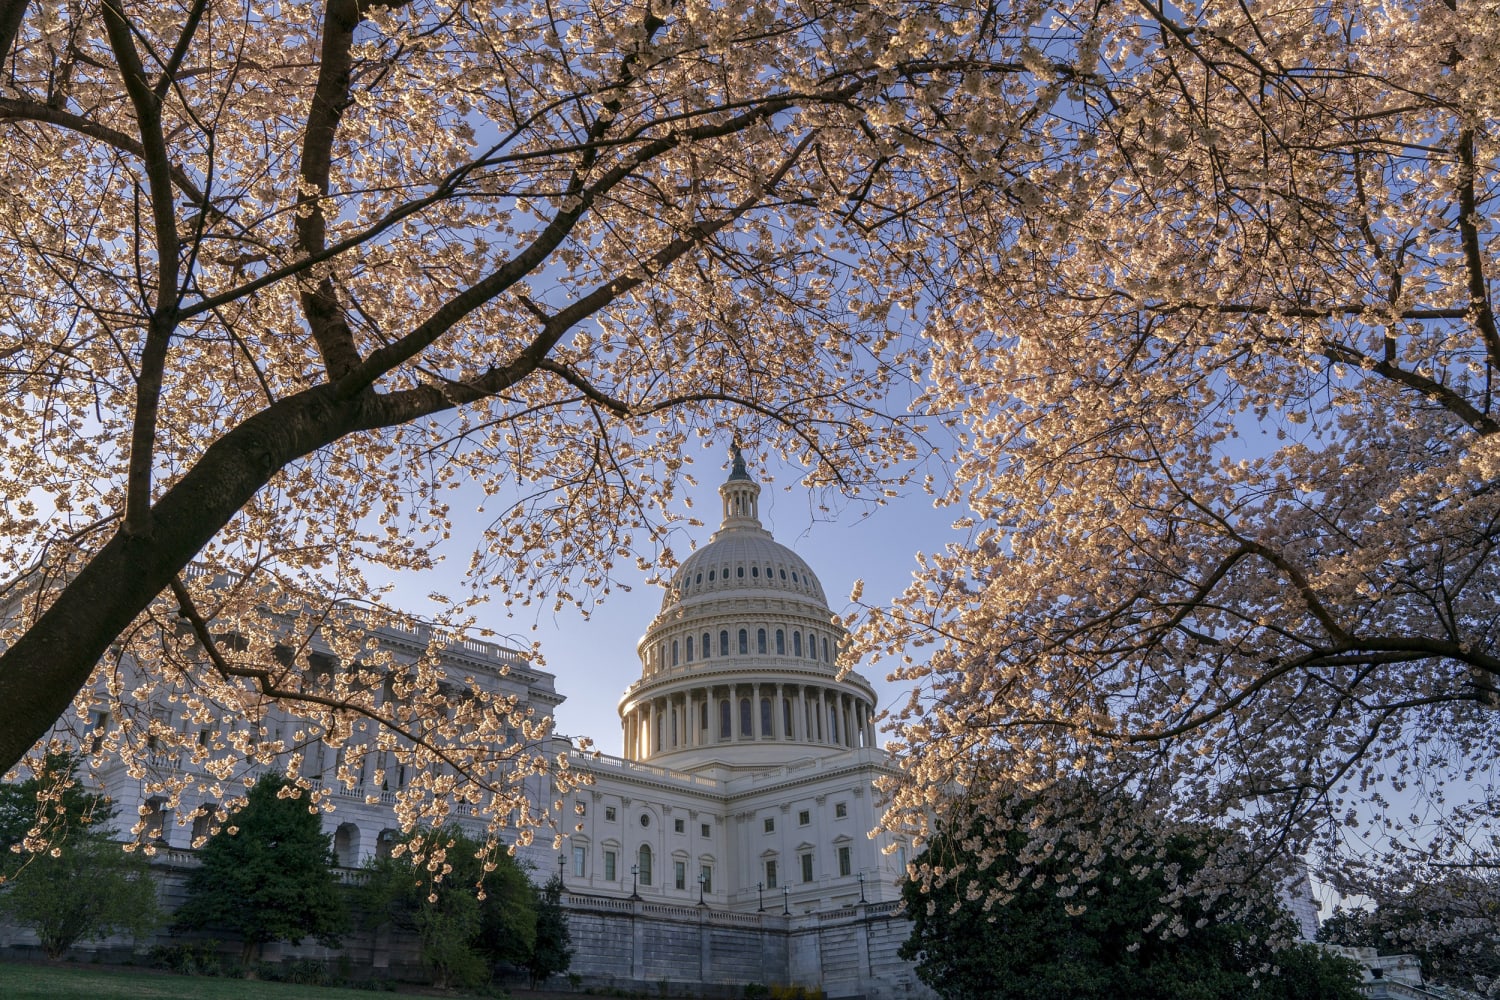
[[742, 555], [743, 653]]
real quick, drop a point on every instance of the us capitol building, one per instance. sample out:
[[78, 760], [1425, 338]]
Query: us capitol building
[[748, 763], [731, 840]]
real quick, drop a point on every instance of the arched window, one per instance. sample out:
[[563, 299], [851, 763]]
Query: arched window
[[739, 571], [724, 642], [825, 650], [812, 646], [703, 716], [203, 823], [833, 723], [710, 576], [644, 864], [674, 652], [690, 649], [760, 641], [755, 572], [724, 719], [744, 641], [765, 716], [786, 718], [674, 725], [385, 841], [745, 717], [707, 645], [345, 844], [796, 643], [781, 642]]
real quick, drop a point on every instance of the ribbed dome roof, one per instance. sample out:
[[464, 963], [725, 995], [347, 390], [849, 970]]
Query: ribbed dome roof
[[742, 555], [741, 559]]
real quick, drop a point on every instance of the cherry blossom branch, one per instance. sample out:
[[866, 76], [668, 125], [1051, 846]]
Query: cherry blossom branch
[[1479, 308], [330, 97], [23, 109], [163, 313], [265, 682]]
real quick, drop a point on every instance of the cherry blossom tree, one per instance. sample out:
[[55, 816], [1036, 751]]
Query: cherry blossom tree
[[1229, 436], [280, 275]]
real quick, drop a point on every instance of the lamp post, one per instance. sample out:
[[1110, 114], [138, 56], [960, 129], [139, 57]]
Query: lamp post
[[760, 897], [561, 861], [861, 887], [702, 881], [635, 870], [786, 910]]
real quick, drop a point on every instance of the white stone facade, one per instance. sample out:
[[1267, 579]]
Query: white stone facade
[[363, 822]]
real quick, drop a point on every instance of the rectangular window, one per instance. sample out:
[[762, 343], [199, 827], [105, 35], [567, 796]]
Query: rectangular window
[[609, 814], [609, 866], [770, 824], [840, 810], [708, 830], [806, 861], [679, 826], [770, 874], [679, 874], [706, 878], [804, 817], [580, 859], [844, 860]]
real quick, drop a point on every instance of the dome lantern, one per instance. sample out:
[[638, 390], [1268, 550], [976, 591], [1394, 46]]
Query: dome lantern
[[741, 494]]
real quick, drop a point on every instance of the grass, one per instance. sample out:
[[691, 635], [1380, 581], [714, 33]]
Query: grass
[[64, 982]]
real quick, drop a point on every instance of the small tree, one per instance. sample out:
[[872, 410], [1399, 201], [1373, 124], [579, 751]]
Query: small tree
[[469, 904], [553, 952], [1014, 916], [72, 882], [268, 874]]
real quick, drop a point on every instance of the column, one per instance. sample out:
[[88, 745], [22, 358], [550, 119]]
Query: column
[[800, 722], [778, 721]]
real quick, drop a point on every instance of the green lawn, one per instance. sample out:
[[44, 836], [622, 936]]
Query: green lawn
[[82, 982]]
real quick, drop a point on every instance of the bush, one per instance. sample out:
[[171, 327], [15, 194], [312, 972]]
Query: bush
[[195, 958]]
